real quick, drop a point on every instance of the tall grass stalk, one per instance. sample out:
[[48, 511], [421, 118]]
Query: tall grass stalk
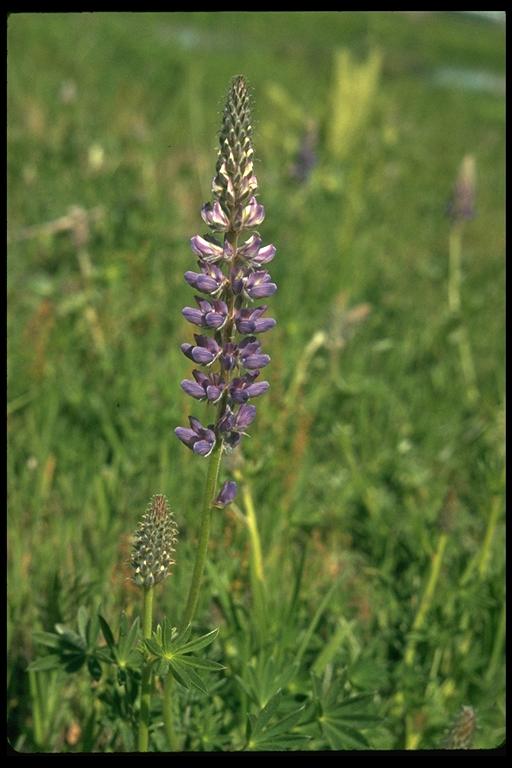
[[427, 597]]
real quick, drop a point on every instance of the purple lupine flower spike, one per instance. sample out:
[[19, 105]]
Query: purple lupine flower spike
[[233, 274]]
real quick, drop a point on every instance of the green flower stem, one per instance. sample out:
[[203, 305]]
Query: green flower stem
[[168, 719], [145, 698], [206, 517], [427, 597]]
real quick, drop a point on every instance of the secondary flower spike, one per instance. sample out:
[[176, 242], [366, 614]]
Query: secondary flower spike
[[232, 272], [154, 542]]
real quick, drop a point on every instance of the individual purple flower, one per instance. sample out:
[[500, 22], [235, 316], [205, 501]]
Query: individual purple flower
[[251, 215], [250, 354], [208, 248], [244, 387], [226, 495], [204, 387], [210, 280], [255, 285], [215, 217], [250, 320], [232, 424], [199, 439], [253, 254], [209, 314], [205, 351]]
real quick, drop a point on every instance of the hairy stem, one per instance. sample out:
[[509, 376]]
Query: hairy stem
[[145, 697], [202, 548]]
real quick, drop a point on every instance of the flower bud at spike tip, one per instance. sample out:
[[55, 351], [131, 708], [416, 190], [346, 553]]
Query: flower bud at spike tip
[[153, 544]]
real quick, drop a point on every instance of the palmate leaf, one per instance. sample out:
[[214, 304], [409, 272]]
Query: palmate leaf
[[264, 677], [172, 651], [268, 731], [341, 718], [342, 737]]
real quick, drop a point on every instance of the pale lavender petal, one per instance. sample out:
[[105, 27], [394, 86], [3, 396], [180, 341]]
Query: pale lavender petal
[[208, 250], [265, 255], [252, 215]]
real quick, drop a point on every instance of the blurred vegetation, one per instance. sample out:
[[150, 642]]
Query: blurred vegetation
[[112, 140]]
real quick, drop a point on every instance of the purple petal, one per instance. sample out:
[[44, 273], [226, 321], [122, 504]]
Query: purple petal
[[262, 290], [203, 447], [250, 248], [245, 416], [192, 315], [226, 495], [196, 425], [260, 326], [215, 217], [213, 393], [253, 214], [254, 390], [193, 389], [214, 320], [255, 361], [208, 250], [201, 282], [265, 255], [201, 355], [186, 436]]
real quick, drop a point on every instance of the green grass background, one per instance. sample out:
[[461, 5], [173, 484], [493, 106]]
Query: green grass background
[[355, 447]]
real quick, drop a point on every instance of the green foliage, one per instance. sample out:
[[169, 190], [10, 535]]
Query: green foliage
[[71, 650]]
